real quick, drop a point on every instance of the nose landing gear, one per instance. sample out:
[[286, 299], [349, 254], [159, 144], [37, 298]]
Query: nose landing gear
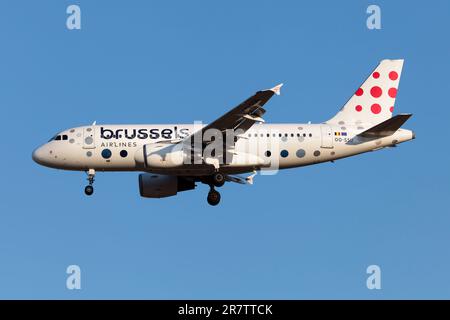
[[89, 189]]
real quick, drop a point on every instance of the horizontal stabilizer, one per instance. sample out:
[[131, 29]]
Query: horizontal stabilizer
[[386, 128]]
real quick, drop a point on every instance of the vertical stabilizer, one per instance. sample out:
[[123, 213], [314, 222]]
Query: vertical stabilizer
[[374, 101]]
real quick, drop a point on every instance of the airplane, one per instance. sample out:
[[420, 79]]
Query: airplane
[[172, 158]]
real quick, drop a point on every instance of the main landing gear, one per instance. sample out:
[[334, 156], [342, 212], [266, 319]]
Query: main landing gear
[[213, 197], [216, 180], [89, 189]]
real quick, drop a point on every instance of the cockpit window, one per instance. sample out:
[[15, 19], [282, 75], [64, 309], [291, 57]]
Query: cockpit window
[[59, 137]]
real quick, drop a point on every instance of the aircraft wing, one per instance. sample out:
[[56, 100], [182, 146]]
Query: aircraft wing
[[244, 115]]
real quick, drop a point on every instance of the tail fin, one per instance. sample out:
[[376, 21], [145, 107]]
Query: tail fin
[[374, 101]]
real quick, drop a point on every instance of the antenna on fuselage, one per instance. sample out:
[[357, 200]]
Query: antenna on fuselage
[[94, 123]]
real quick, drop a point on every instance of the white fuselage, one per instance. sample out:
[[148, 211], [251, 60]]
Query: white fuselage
[[271, 146], [174, 157]]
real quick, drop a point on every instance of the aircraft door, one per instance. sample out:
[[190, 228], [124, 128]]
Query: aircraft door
[[327, 136], [89, 137]]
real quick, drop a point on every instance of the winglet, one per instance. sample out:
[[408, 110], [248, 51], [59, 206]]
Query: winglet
[[276, 89]]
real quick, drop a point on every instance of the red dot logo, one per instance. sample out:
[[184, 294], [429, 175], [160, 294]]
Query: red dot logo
[[376, 92], [391, 109], [392, 92], [376, 75], [393, 75], [375, 108], [358, 108], [359, 92]]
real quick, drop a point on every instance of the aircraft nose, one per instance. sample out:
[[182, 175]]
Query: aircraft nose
[[38, 155]]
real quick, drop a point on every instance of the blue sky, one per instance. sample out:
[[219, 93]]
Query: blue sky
[[304, 233]]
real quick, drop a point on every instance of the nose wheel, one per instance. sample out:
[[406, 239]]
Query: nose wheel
[[89, 189], [213, 197]]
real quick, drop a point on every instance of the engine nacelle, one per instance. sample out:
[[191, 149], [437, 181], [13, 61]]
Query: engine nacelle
[[159, 186], [160, 155]]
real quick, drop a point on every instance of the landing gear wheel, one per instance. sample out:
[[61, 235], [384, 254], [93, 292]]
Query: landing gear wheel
[[213, 197], [218, 179], [89, 190]]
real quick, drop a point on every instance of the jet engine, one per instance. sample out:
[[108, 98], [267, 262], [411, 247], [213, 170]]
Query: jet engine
[[160, 186]]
